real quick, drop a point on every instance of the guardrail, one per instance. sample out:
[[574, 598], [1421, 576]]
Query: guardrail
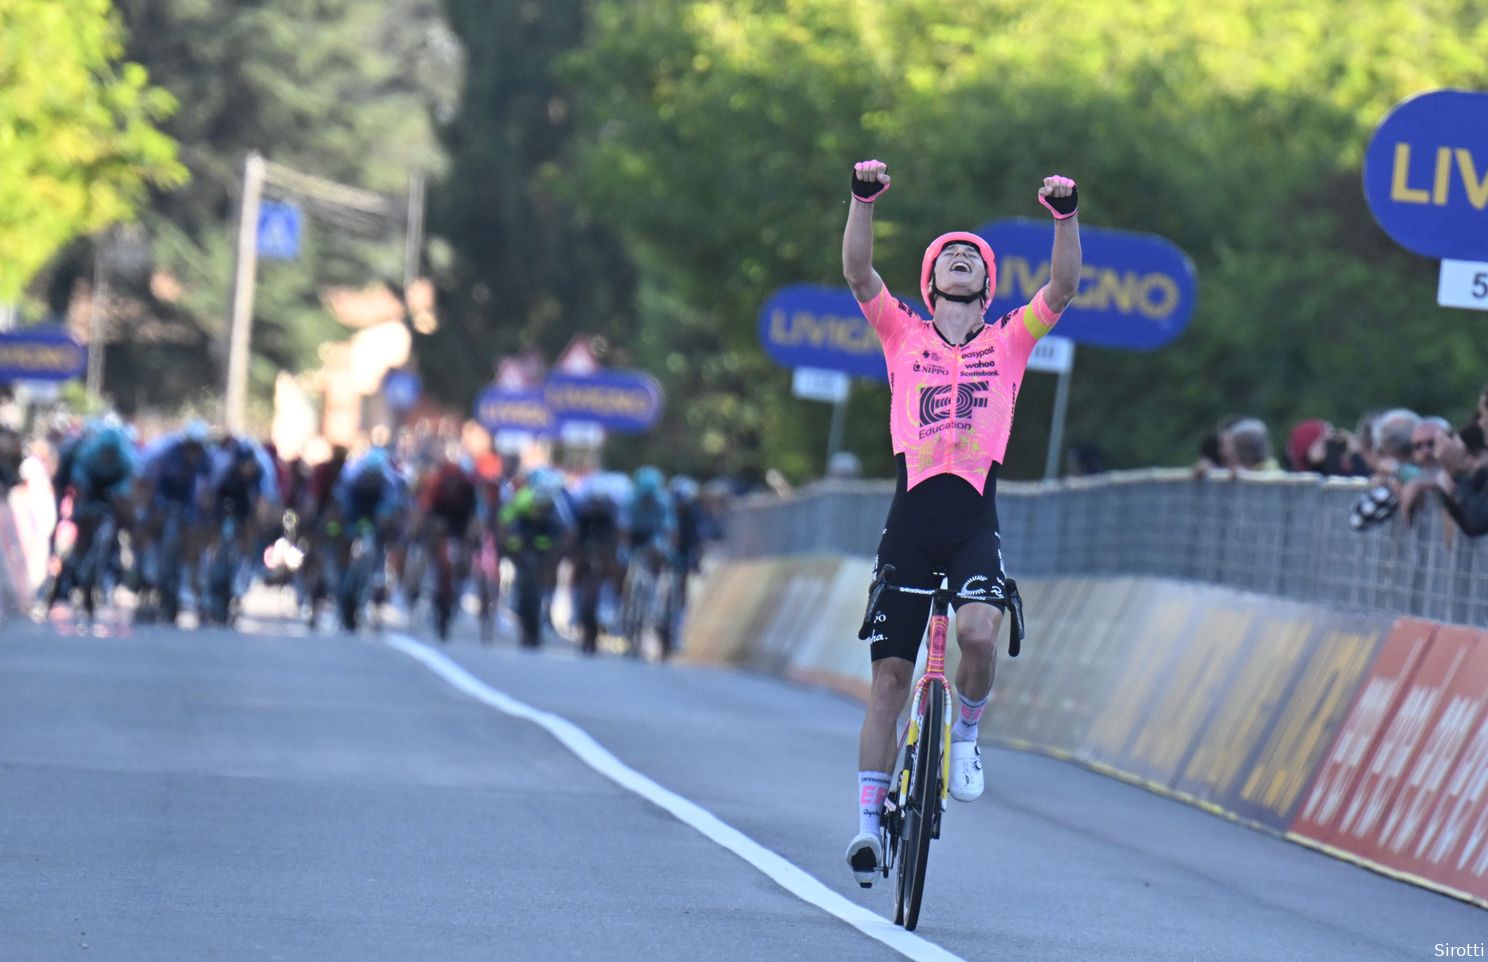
[[1285, 535]]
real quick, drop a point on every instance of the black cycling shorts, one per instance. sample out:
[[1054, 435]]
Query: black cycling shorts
[[942, 525]]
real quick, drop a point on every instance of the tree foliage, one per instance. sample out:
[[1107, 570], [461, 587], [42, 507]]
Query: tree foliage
[[343, 89], [530, 265], [79, 144]]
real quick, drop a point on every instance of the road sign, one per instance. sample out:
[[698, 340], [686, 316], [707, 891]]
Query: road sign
[[1137, 291], [819, 384], [1052, 354], [402, 389], [513, 409], [1426, 174], [278, 231], [578, 357], [45, 354], [626, 401], [810, 325], [1463, 284]]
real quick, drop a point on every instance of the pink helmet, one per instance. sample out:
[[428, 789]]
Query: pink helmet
[[927, 267]]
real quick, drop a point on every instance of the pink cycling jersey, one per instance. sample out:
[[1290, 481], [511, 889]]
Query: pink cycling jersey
[[952, 407]]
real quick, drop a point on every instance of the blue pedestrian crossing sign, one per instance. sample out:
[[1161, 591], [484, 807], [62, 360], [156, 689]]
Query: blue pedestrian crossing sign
[[278, 231]]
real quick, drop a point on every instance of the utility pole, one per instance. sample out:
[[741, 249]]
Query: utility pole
[[413, 235], [361, 211], [235, 403], [96, 336]]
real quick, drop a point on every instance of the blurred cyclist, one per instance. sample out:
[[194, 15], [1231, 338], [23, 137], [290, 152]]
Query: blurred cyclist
[[102, 470], [173, 480]]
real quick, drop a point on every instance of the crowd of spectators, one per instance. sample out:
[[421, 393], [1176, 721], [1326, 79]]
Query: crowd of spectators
[[1411, 461]]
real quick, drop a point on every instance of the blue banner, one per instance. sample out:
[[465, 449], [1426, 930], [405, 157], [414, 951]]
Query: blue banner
[[1426, 174], [48, 354], [626, 401], [1137, 291], [513, 409], [809, 325]]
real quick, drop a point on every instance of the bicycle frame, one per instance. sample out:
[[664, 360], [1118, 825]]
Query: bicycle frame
[[934, 674]]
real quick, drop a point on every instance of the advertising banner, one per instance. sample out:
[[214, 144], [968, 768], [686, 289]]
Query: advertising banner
[[1137, 291], [1426, 174], [41, 354], [1332, 799], [629, 402]]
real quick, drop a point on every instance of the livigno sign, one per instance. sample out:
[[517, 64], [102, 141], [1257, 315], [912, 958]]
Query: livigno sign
[[1137, 291], [1426, 174]]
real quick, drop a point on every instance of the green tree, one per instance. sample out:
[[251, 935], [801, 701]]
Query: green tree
[[530, 265], [79, 144], [345, 89]]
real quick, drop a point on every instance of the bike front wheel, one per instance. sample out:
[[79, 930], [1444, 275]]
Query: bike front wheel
[[921, 809]]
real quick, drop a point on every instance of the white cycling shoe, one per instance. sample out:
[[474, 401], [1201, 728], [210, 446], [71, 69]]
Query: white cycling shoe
[[864, 856], [966, 772]]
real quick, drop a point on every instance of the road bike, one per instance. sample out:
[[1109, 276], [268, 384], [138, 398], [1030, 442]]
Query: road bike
[[916, 801]]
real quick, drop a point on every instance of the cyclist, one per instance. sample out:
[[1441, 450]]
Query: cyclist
[[649, 520], [650, 525], [317, 510], [953, 380], [596, 555], [174, 473], [448, 499], [536, 523], [244, 484], [370, 491], [102, 468], [691, 527]]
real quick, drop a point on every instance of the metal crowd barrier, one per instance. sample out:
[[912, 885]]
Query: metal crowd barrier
[[1284, 535]]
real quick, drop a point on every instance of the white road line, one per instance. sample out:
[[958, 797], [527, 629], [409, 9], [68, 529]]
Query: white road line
[[789, 877]]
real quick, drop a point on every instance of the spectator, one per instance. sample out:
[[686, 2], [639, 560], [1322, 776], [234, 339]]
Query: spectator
[[1392, 433], [1303, 447], [1429, 433], [1464, 478], [1212, 450], [1319, 447], [1247, 446]]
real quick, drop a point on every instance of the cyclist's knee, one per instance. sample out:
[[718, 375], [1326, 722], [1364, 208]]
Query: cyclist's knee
[[976, 631], [891, 682]]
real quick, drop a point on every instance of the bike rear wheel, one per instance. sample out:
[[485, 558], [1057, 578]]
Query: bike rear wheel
[[921, 810]]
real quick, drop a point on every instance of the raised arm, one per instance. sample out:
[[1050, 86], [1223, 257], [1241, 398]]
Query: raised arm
[[1059, 195], [870, 179]]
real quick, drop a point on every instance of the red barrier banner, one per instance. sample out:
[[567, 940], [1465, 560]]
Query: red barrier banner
[[1351, 786], [1434, 827]]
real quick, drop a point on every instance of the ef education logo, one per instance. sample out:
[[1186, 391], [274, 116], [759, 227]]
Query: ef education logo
[[935, 401]]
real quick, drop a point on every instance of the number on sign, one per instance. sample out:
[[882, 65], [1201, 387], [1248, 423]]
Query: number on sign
[[1480, 285]]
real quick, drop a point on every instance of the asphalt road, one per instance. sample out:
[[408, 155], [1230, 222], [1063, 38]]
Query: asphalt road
[[265, 794]]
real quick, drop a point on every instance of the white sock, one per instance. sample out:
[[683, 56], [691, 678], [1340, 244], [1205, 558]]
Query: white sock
[[872, 787], [965, 729]]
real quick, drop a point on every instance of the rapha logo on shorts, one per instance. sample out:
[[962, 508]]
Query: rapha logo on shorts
[[935, 401], [973, 588]]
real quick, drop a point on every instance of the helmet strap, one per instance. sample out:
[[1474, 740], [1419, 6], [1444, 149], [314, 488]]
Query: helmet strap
[[936, 293]]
